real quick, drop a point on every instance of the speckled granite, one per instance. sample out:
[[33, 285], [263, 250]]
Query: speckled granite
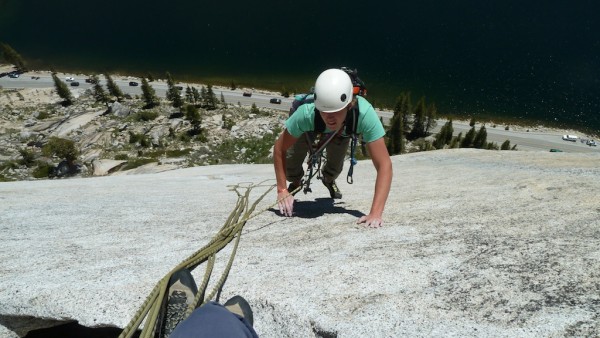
[[475, 244]]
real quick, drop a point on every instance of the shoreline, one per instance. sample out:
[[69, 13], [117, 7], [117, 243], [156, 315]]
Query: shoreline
[[519, 126]]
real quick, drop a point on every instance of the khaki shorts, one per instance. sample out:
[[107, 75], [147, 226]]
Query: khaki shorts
[[336, 151]]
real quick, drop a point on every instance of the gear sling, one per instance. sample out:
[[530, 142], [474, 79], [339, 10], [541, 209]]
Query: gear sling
[[316, 148]]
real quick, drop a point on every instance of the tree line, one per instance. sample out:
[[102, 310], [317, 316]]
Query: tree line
[[414, 123]]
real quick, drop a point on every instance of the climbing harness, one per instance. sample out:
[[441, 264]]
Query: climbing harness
[[315, 158]]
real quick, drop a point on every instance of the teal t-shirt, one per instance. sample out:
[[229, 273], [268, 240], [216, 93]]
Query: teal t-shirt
[[369, 125]]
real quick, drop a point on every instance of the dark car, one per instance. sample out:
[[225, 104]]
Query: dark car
[[90, 80], [275, 100], [133, 84], [74, 84], [13, 75]]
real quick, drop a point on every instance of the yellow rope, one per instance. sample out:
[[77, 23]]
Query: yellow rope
[[242, 213]]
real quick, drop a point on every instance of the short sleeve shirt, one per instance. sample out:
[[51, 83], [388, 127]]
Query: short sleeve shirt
[[369, 125]]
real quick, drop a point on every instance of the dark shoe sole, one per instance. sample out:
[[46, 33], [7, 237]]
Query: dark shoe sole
[[182, 290], [239, 306]]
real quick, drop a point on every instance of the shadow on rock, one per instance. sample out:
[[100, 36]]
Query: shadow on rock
[[319, 207]]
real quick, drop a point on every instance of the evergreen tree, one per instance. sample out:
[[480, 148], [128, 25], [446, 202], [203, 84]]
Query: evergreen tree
[[11, 56], [395, 141], [222, 98], [480, 140], [62, 90], [203, 95], [404, 108], [455, 143], [505, 145], [472, 122], [467, 142], [189, 97], [112, 87], [149, 94], [211, 99], [418, 128], [99, 93], [430, 117], [233, 86], [192, 115], [196, 95], [444, 136], [173, 93], [62, 148], [254, 109]]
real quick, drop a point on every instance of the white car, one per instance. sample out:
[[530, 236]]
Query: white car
[[592, 143], [69, 79], [571, 138]]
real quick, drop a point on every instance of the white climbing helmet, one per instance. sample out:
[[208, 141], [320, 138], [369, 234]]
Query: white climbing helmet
[[333, 90]]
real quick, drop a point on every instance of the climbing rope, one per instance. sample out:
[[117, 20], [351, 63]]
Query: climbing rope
[[150, 310]]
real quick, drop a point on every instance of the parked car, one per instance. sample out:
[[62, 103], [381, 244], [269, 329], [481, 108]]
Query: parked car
[[133, 84], [247, 93], [275, 100], [571, 138], [69, 79], [74, 84], [554, 150], [592, 143], [13, 75], [90, 80]]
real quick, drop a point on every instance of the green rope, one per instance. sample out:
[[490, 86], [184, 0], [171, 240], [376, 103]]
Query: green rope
[[232, 229]]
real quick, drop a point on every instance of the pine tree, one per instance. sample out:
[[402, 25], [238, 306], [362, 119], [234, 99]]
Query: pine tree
[[418, 128], [189, 97], [444, 136], [173, 93], [192, 115], [395, 140], [61, 148], [480, 140], [254, 109], [196, 95], [404, 108], [11, 56], [62, 90], [203, 95], [505, 145], [430, 117], [472, 122], [467, 142], [211, 99], [99, 93], [149, 94], [112, 87]]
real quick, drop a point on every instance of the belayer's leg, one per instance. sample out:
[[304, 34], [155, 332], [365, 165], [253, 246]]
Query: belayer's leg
[[336, 152], [294, 160], [215, 320]]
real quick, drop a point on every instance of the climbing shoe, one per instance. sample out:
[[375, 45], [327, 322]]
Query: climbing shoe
[[334, 191], [181, 290], [293, 186], [239, 306]]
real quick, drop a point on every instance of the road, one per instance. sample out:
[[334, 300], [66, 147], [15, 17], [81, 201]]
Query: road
[[534, 141]]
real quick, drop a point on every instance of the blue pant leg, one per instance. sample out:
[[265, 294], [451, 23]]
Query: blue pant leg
[[213, 320]]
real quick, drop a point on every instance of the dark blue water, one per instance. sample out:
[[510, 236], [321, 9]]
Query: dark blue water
[[525, 60]]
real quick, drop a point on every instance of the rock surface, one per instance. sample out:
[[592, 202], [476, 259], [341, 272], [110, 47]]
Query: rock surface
[[475, 243]]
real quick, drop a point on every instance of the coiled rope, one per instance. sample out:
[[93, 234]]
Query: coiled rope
[[150, 310]]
